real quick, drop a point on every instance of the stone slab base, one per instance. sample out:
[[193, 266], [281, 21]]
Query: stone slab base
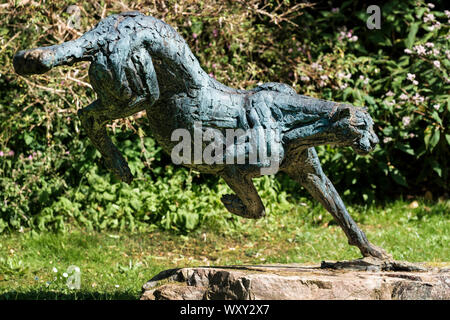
[[296, 282]]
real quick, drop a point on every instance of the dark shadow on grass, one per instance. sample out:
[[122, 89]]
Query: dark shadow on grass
[[78, 295]]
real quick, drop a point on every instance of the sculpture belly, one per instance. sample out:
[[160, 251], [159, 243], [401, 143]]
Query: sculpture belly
[[223, 117]]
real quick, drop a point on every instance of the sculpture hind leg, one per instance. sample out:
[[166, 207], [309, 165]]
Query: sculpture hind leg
[[246, 202], [311, 176], [93, 119]]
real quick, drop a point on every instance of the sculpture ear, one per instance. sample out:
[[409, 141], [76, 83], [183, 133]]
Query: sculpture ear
[[341, 113]]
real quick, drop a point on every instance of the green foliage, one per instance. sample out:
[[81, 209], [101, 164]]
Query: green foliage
[[52, 178]]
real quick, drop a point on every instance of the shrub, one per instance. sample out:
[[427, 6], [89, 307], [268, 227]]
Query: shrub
[[51, 175]]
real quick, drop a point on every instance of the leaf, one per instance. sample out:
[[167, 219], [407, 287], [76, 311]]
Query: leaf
[[399, 178], [436, 167], [412, 35], [28, 139], [435, 139], [406, 148]]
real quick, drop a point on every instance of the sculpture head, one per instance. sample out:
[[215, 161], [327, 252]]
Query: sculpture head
[[354, 127]]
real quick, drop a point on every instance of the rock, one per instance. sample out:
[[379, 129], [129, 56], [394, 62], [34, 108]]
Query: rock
[[296, 282]]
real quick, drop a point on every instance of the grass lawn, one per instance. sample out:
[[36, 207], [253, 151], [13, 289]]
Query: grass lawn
[[116, 265]]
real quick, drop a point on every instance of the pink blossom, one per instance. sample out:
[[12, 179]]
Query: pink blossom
[[437, 64], [415, 82], [11, 153], [1, 154], [335, 10], [408, 51], [387, 139], [215, 33], [290, 50], [194, 35], [436, 106], [430, 5]]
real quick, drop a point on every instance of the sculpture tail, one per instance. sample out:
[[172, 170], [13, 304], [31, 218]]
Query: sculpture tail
[[41, 60]]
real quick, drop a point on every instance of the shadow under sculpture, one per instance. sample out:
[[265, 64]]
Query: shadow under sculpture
[[140, 63]]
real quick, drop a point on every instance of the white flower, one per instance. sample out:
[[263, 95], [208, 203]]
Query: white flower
[[65, 275], [353, 39], [364, 79], [437, 64], [420, 49], [387, 139], [324, 77], [447, 13], [406, 121], [343, 86], [429, 44], [390, 103], [410, 76], [418, 98], [304, 78], [389, 93], [415, 82], [55, 270], [117, 286], [403, 97], [408, 51], [316, 66], [436, 106], [436, 52], [428, 17], [430, 5]]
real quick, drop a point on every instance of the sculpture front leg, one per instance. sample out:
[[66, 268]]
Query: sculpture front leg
[[246, 202], [93, 119], [320, 187]]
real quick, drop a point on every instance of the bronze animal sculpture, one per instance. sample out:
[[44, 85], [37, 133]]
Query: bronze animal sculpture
[[140, 63]]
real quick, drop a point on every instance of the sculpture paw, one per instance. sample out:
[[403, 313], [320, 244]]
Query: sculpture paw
[[376, 252], [235, 205], [34, 61], [119, 167]]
